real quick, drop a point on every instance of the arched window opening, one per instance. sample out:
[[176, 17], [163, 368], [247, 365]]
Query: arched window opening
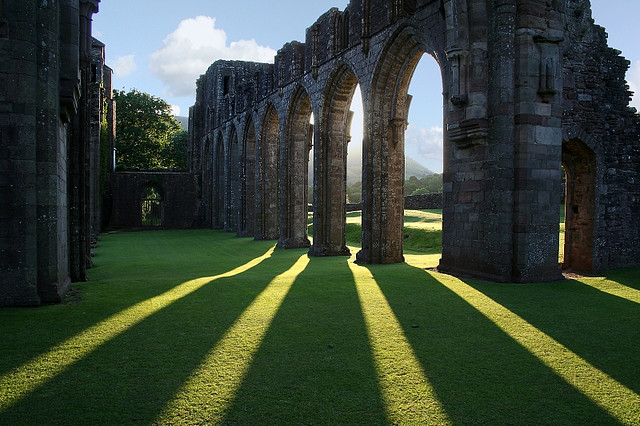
[[151, 207]]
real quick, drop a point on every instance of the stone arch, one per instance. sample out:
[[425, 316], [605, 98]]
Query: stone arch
[[294, 173], [219, 183], [234, 167], [383, 150], [579, 162], [330, 162], [246, 225], [268, 217], [207, 179]]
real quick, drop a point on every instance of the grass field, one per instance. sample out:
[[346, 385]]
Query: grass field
[[200, 327]]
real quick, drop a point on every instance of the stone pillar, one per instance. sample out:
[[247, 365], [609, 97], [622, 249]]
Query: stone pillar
[[18, 80], [383, 191], [538, 142]]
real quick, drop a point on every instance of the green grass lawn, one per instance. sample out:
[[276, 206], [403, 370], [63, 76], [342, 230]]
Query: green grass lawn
[[200, 327]]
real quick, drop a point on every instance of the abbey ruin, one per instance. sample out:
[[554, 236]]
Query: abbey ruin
[[529, 86]]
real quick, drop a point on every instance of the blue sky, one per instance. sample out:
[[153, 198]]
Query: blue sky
[[161, 47]]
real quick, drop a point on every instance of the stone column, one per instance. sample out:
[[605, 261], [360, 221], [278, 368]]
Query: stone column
[[538, 142]]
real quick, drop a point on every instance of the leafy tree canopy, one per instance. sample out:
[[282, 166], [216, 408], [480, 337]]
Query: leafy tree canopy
[[147, 134]]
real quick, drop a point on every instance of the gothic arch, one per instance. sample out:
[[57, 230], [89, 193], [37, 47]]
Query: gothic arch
[[246, 225], [330, 160], [233, 181], [268, 217], [294, 171], [219, 183], [383, 150], [207, 179]]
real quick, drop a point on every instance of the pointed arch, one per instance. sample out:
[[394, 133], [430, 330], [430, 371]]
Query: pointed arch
[[219, 182], [383, 150], [330, 162], [294, 180], [207, 180], [246, 226], [268, 217], [234, 169]]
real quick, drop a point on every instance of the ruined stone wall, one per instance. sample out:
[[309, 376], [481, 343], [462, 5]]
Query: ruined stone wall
[[40, 95], [523, 82], [597, 117], [180, 192]]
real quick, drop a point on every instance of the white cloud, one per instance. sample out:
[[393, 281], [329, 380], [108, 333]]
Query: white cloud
[[124, 65], [175, 110], [633, 77], [424, 145], [189, 50]]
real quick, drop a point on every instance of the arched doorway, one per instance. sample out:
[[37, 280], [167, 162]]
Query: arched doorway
[[294, 180], [151, 207], [268, 218], [219, 184], [246, 227], [384, 151], [233, 182], [330, 162], [579, 162]]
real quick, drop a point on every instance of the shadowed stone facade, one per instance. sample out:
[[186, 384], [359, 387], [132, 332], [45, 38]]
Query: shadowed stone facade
[[528, 86], [46, 164]]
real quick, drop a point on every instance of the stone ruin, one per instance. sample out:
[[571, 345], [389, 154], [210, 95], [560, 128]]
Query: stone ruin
[[529, 86]]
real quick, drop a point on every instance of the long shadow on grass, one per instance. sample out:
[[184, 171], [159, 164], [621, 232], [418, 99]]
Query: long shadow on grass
[[629, 277], [133, 376], [480, 374], [601, 328], [315, 364], [130, 268]]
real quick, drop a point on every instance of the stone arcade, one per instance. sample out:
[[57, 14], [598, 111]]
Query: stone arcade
[[529, 86]]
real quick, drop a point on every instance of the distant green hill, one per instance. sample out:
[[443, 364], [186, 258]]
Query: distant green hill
[[184, 122], [412, 168]]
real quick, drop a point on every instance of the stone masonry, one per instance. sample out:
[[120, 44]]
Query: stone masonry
[[45, 162], [529, 86]]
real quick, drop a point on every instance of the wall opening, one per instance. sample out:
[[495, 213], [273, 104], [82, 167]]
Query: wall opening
[[219, 185], [151, 207], [579, 162]]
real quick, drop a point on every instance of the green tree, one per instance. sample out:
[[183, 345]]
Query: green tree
[[145, 130]]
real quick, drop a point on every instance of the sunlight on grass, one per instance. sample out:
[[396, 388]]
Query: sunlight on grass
[[208, 393], [613, 288], [22, 380], [618, 400], [408, 396]]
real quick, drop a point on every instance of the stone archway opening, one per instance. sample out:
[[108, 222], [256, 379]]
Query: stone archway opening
[[218, 184], [151, 207], [579, 162], [354, 168], [247, 208], [268, 217], [384, 150], [330, 164], [233, 183], [294, 185]]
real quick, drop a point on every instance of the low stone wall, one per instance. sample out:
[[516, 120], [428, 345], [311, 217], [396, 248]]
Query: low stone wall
[[411, 202]]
